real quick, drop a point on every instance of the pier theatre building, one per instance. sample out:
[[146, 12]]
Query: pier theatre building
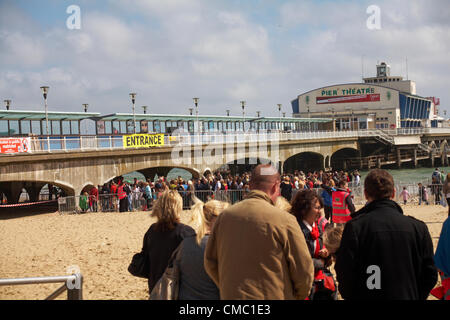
[[381, 102]]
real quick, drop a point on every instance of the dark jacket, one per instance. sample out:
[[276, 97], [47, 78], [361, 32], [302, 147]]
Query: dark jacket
[[286, 190], [158, 247], [195, 284], [380, 235]]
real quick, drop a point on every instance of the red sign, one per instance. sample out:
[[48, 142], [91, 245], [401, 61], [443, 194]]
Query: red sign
[[435, 100], [349, 99], [15, 145]]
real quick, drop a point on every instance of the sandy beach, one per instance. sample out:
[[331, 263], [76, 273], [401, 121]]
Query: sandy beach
[[101, 246]]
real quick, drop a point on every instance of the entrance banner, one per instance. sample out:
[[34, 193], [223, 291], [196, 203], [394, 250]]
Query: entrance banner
[[143, 140], [15, 145]]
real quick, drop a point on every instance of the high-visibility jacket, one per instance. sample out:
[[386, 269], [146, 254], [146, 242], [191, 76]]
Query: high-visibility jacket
[[442, 292], [121, 193], [322, 222], [341, 212]]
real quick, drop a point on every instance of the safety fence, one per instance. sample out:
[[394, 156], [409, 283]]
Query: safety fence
[[73, 284], [137, 201]]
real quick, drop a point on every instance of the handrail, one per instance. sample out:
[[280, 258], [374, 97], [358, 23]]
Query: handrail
[[73, 284], [87, 143]]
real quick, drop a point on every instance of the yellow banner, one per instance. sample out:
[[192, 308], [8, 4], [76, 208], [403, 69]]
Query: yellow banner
[[143, 140]]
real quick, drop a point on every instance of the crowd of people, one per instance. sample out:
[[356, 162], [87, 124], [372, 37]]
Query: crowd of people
[[271, 247], [223, 185]]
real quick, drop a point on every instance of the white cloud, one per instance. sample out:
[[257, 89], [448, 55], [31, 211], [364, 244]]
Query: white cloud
[[170, 51]]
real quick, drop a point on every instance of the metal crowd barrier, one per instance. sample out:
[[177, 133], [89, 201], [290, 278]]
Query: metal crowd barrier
[[110, 202], [72, 283], [137, 202]]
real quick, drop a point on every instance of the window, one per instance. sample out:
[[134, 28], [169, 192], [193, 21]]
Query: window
[[25, 126], [108, 127], [123, 127], [65, 127], [36, 127], [56, 127], [74, 126], [116, 127], [4, 128], [157, 126], [13, 127]]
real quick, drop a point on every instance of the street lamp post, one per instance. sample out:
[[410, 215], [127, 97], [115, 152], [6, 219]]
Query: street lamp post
[[190, 111], [196, 114], [309, 121], [228, 113], [133, 100], [44, 93], [145, 109], [243, 115], [352, 122], [85, 105], [279, 114], [7, 104], [332, 112]]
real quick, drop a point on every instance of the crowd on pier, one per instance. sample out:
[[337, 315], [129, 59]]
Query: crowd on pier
[[279, 244]]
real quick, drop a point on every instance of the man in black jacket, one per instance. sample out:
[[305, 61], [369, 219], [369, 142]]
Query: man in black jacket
[[384, 254]]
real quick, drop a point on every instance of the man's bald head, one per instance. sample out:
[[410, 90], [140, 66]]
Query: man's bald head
[[266, 178]]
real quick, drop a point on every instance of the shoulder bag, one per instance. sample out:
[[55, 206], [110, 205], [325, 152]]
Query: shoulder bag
[[168, 285], [139, 266]]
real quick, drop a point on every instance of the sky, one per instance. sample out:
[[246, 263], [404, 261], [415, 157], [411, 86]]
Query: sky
[[263, 52]]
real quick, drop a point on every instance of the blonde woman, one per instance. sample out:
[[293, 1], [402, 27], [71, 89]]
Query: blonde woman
[[195, 284], [164, 236]]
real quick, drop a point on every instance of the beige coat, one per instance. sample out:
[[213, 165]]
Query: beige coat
[[257, 251]]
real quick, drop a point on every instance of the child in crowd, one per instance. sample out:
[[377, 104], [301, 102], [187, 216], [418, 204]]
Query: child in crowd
[[423, 194], [405, 195], [332, 238]]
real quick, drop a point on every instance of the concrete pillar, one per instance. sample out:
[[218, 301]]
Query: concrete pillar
[[33, 189], [399, 158], [444, 159], [12, 191], [379, 163], [432, 159], [415, 158]]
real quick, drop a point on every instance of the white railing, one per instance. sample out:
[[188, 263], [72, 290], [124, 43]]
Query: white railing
[[72, 284], [87, 143]]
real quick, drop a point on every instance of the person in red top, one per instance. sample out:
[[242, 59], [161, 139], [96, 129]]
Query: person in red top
[[122, 195], [342, 203], [93, 199], [114, 195], [307, 207]]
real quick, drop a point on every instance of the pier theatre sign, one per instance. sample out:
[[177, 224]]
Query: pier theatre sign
[[348, 95]]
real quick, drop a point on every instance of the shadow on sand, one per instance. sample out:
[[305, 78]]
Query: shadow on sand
[[25, 211]]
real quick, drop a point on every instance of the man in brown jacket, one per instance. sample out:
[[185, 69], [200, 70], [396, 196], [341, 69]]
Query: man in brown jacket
[[257, 251]]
